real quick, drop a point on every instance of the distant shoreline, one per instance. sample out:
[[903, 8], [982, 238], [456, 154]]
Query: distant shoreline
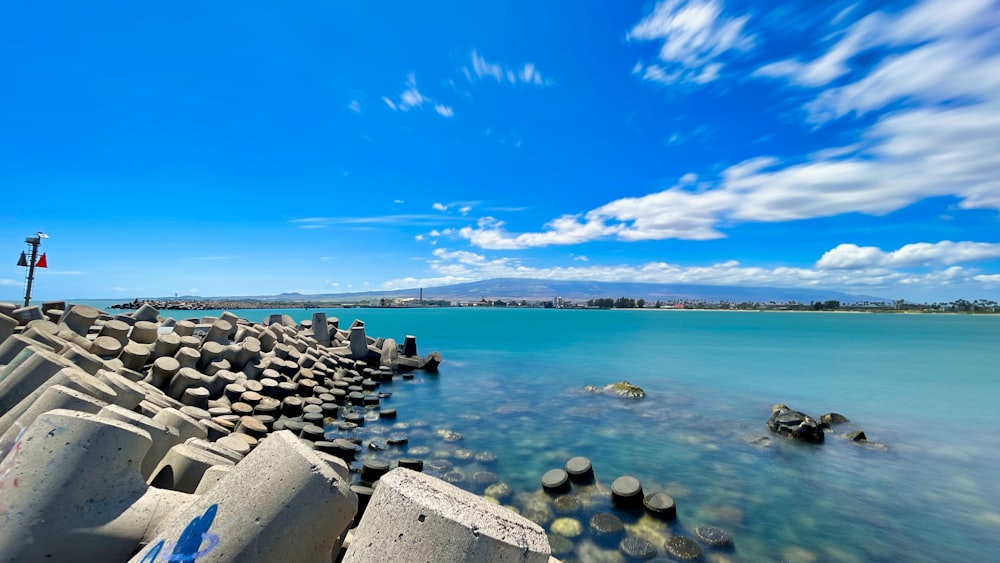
[[213, 304]]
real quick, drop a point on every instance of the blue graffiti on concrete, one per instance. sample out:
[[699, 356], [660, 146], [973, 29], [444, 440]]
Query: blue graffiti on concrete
[[188, 547]]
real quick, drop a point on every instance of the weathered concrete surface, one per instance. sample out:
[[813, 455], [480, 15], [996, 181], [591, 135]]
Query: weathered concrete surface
[[415, 517], [67, 480], [281, 503]]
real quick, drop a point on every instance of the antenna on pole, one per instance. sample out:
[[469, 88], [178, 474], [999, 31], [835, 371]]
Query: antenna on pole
[[33, 243]]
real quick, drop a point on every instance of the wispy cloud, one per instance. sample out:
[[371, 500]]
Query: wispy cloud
[[696, 41], [10, 283], [354, 106], [463, 207], [833, 63], [394, 219], [526, 73], [412, 98]]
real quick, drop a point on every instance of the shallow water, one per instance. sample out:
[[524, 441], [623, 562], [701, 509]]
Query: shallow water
[[511, 386]]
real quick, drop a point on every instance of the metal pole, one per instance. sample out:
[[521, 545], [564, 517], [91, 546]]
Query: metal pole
[[34, 242]]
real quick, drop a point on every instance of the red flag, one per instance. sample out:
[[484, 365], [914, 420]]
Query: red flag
[[42, 263]]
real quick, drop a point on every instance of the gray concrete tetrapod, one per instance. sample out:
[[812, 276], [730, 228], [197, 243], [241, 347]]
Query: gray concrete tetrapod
[[320, 328], [79, 318], [72, 377], [7, 326], [359, 343], [246, 516], [62, 463], [416, 517], [53, 397], [26, 372]]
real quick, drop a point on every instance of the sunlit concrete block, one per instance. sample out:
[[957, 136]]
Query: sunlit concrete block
[[416, 517], [281, 503]]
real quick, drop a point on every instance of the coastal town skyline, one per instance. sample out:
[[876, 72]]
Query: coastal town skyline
[[244, 149]]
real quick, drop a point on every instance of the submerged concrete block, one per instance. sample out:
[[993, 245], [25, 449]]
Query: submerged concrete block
[[415, 517], [281, 503]]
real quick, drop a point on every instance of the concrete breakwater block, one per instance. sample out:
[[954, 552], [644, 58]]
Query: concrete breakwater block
[[626, 492], [414, 517], [247, 515], [63, 461]]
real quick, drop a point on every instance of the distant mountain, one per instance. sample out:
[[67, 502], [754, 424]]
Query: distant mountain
[[547, 290]]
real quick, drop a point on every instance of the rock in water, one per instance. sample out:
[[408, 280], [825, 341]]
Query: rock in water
[[831, 418], [794, 424], [621, 389]]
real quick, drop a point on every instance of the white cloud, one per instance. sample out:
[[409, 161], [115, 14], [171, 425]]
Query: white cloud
[[852, 256], [932, 147], [354, 106], [831, 65], [936, 51], [489, 233], [6, 282], [449, 267], [465, 209], [696, 40], [525, 74], [440, 206], [412, 98]]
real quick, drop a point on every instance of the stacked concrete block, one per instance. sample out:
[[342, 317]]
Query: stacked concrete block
[[175, 425]]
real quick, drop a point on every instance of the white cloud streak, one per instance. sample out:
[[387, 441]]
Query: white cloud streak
[[524, 74], [413, 98], [696, 40]]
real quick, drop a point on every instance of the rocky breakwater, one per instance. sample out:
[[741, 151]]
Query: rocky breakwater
[[141, 438]]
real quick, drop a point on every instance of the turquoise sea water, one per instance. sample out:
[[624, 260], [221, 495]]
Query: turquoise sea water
[[510, 385]]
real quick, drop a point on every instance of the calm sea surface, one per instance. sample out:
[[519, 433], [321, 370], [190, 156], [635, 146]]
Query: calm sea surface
[[926, 386]]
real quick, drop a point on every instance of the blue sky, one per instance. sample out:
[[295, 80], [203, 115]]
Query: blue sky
[[241, 148]]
